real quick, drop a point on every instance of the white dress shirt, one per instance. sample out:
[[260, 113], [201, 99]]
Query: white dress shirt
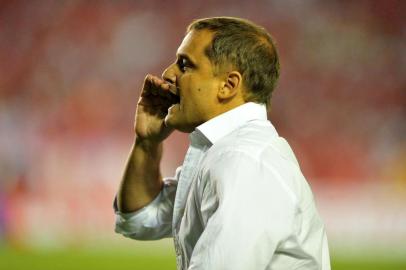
[[238, 202]]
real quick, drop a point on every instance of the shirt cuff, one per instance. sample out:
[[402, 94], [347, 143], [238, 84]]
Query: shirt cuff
[[154, 203]]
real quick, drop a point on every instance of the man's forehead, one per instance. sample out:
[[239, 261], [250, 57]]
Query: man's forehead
[[195, 42]]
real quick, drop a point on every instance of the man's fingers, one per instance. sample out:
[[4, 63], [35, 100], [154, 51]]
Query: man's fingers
[[156, 93], [155, 86]]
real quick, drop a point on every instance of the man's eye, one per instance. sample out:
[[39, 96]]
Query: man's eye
[[183, 64]]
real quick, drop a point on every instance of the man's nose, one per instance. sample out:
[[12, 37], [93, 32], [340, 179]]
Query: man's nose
[[169, 75]]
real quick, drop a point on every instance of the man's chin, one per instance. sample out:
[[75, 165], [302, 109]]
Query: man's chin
[[171, 117], [173, 122], [168, 121]]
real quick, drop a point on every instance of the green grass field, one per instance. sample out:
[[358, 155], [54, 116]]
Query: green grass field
[[11, 259]]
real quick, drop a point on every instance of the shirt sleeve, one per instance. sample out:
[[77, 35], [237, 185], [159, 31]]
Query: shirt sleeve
[[154, 221], [253, 214]]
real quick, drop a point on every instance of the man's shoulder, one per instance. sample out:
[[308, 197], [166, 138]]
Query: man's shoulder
[[258, 153], [256, 140], [252, 138]]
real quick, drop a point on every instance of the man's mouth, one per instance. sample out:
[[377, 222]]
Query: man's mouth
[[174, 94], [175, 99]]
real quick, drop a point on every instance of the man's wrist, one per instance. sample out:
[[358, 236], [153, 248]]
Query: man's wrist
[[147, 144]]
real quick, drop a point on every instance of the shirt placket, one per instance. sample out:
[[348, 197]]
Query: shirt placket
[[193, 157], [188, 168]]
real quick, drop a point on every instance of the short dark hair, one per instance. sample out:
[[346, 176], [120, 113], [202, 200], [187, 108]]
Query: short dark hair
[[249, 48]]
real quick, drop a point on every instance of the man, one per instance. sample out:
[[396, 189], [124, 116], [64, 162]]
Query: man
[[239, 201]]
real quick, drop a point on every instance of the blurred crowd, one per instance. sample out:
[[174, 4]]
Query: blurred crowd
[[71, 71]]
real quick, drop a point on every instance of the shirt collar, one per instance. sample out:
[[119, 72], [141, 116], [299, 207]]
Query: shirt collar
[[223, 124]]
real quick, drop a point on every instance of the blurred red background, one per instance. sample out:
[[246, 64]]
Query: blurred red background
[[70, 75]]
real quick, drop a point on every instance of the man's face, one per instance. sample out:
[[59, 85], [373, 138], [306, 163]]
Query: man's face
[[192, 73]]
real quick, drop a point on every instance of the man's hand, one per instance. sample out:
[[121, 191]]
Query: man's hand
[[152, 108], [142, 180]]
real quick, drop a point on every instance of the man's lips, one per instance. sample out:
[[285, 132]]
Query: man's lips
[[174, 94], [174, 89]]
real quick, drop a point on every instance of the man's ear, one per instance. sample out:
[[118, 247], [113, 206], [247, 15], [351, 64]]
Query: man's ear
[[231, 85]]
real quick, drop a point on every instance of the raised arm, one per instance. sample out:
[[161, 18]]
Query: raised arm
[[142, 180]]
